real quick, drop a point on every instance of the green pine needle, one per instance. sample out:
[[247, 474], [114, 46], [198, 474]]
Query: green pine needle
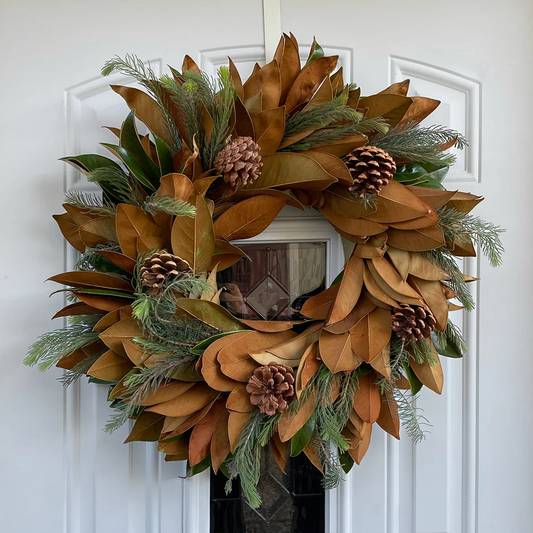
[[172, 206]]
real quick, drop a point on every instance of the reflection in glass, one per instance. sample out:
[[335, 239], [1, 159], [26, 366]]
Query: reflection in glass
[[273, 285]]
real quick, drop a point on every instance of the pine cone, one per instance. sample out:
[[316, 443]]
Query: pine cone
[[160, 268], [412, 324], [239, 162], [271, 387], [371, 168]]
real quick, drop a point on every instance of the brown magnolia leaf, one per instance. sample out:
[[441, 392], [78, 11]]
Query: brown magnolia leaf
[[176, 186], [122, 330], [429, 372], [419, 110], [136, 229], [98, 231], [396, 203], [333, 165], [107, 320], [400, 87], [310, 75], [192, 237], [248, 218], [463, 202], [110, 367], [187, 403], [425, 269], [269, 126], [392, 107], [417, 240], [84, 279], [336, 352], [367, 399], [288, 169], [239, 400], [70, 231], [371, 334], [210, 313], [202, 433], [270, 326], [288, 58], [387, 289], [173, 422], [292, 421], [306, 369], [279, 451], [146, 109], [435, 198], [388, 419], [134, 352], [225, 255], [174, 448], [190, 64], [362, 308], [339, 202], [220, 445], [435, 299], [353, 226], [343, 146], [360, 450], [318, 306], [236, 79], [210, 368], [323, 94], [76, 309], [79, 215], [104, 303], [121, 260], [463, 249], [401, 261], [391, 277], [349, 291], [417, 223], [71, 360], [165, 393], [337, 80], [381, 363], [312, 453], [293, 347], [241, 194], [367, 251], [147, 428], [191, 420], [236, 424], [267, 82]]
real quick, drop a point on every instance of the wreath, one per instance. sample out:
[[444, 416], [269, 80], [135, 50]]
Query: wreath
[[220, 159]]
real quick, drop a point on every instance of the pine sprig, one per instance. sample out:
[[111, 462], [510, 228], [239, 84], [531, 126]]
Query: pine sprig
[[90, 203], [411, 416], [457, 227], [125, 189], [51, 347], [132, 66], [80, 369], [166, 204], [418, 143]]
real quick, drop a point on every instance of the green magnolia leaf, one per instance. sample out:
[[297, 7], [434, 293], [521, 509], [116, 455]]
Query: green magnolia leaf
[[450, 350], [422, 175], [164, 156], [125, 157], [302, 438], [106, 292], [346, 462], [101, 381], [315, 53], [200, 467], [201, 346], [102, 264], [211, 314], [129, 140], [339, 277], [415, 383]]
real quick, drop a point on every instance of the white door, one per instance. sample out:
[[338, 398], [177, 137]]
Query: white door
[[59, 471]]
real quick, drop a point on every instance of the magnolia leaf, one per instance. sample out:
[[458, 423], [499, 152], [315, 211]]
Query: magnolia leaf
[[297, 171], [362, 308], [292, 421], [269, 126], [353, 226], [417, 223], [147, 428], [336, 352], [197, 397], [70, 231], [239, 400], [419, 240], [288, 58], [401, 261], [135, 228], [424, 269], [367, 399], [270, 326], [429, 373], [104, 303], [312, 453], [176, 186], [98, 231], [122, 261], [400, 87], [279, 451], [333, 165], [381, 363], [391, 277], [302, 438], [343, 146], [463, 202], [414, 383], [419, 110], [371, 334], [88, 279], [220, 445], [211, 314], [315, 53], [387, 289], [318, 306], [165, 393], [433, 198], [236, 79], [202, 433], [236, 424], [192, 237], [312, 74], [339, 202], [122, 330], [248, 218], [76, 309], [349, 291], [191, 420], [110, 367], [294, 348], [146, 109], [435, 299], [309, 364], [265, 81], [391, 107]]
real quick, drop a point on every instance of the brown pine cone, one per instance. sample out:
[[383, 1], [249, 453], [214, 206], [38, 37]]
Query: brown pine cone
[[412, 324], [162, 268], [239, 162], [371, 169], [271, 387]]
